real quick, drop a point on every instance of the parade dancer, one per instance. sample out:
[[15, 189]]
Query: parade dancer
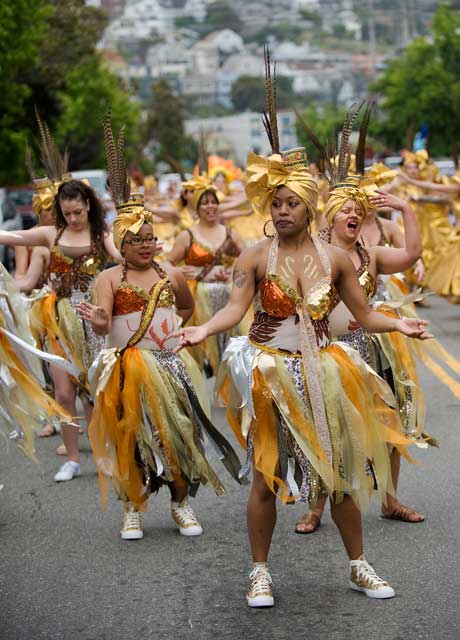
[[79, 245], [310, 413], [148, 426], [209, 250]]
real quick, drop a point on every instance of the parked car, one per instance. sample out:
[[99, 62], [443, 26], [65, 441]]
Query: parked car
[[15, 213]]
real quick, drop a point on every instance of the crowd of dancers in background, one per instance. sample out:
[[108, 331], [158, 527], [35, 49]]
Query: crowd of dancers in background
[[287, 283]]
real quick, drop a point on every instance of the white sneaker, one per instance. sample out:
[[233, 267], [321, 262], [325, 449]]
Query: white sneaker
[[185, 519], [260, 590], [131, 529], [67, 471], [363, 578]]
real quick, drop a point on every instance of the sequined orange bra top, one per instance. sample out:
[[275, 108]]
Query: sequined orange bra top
[[129, 297], [280, 300], [74, 268], [198, 255]]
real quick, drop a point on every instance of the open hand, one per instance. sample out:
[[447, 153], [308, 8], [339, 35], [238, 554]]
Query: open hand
[[413, 328], [190, 336], [98, 316], [221, 275], [388, 200]]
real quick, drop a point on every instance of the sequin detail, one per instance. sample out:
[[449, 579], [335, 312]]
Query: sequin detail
[[129, 298]]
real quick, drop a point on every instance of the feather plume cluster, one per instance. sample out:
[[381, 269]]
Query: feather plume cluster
[[54, 164], [269, 117], [333, 162], [119, 184]]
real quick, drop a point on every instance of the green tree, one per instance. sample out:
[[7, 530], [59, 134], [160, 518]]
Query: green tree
[[91, 88], [164, 129], [325, 120], [23, 26], [248, 93], [423, 86]]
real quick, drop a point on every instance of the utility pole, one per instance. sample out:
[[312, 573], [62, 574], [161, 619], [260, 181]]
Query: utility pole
[[371, 27]]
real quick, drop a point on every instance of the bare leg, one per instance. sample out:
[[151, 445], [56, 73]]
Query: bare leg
[[261, 517], [66, 394], [393, 506], [178, 491], [347, 518]]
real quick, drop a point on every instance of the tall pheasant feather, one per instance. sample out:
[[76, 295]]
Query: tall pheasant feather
[[361, 148], [269, 117], [54, 164], [119, 184], [343, 164]]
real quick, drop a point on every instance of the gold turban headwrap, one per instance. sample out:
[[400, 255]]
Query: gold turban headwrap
[[44, 196], [131, 215], [341, 193], [266, 175], [200, 185]]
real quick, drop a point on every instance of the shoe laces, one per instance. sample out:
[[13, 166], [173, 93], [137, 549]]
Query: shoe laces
[[185, 514], [69, 466], [260, 581], [132, 520], [365, 572]]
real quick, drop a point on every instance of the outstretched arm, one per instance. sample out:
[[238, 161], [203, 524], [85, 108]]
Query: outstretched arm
[[351, 293], [36, 237]]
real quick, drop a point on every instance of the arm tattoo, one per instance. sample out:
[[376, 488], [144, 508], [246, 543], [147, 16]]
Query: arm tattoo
[[240, 278]]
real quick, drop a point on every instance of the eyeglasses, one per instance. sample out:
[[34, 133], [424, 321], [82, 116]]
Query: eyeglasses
[[137, 241]]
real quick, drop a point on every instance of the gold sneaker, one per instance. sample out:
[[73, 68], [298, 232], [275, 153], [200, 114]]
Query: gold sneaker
[[131, 529], [260, 590], [363, 578], [185, 519]]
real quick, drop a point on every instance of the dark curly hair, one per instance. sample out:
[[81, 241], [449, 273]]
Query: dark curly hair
[[76, 189]]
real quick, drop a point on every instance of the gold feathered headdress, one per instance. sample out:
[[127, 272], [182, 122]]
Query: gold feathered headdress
[[55, 166], [344, 185], [131, 214], [283, 168]]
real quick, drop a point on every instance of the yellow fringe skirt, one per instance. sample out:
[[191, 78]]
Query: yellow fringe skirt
[[149, 424], [268, 408]]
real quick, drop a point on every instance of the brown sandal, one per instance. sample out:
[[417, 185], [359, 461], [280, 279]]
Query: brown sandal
[[403, 513], [310, 518]]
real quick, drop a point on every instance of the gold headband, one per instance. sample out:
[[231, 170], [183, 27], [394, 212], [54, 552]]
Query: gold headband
[[200, 185], [131, 215], [342, 192], [266, 175]]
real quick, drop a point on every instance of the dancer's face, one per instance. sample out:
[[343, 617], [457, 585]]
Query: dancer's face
[[75, 213], [139, 249], [412, 170], [289, 213], [348, 221], [207, 208], [47, 217], [220, 182]]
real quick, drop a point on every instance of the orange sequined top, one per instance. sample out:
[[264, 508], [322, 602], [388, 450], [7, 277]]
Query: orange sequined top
[[198, 255], [276, 315], [130, 298]]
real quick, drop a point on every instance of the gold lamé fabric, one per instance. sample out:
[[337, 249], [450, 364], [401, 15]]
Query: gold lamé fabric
[[265, 175], [199, 255]]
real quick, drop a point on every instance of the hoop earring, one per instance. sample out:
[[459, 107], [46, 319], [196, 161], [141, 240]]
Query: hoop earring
[[268, 235]]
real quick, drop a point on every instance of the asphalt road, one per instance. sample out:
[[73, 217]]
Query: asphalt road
[[65, 573]]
